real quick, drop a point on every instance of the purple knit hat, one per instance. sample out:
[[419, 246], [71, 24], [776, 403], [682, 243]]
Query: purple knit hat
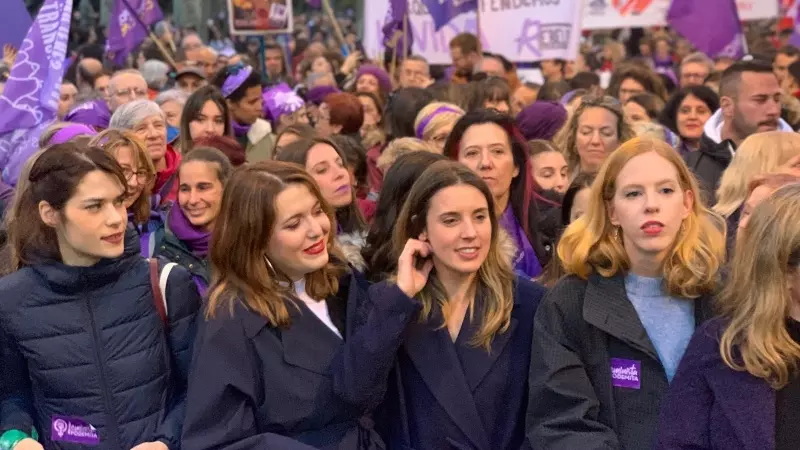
[[316, 95], [384, 81], [94, 113], [281, 100], [541, 120]]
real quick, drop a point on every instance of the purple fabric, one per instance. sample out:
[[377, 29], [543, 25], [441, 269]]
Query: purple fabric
[[67, 134], [398, 10], [6, 193], [235, 80], [422, 125], [691, 18], [281, 100], [541, 120], [525, 261], [30, 100], [240, 130], [443, 12], [196, 239], [317, 94], [94, 113], [125, 30], [384, 80], [16, 22], [314, 3], [794, 39]]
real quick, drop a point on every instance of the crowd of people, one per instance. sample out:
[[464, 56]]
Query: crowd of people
[[335, 253]]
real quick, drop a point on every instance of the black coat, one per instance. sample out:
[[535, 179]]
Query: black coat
[[88, 343], [440, 394], [253, 386], [708, 163], [579, 327]]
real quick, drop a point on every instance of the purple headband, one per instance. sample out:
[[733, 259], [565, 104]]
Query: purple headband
[[442, 109], [235, 81], [69, 132]]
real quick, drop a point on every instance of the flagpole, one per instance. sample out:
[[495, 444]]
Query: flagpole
[[405, 36], [478, 26], [337, 30], [152, 36]]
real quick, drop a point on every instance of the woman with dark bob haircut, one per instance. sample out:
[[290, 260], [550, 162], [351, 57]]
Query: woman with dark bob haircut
[[378, 254], [685, 113], [489, 143], [205, 114]]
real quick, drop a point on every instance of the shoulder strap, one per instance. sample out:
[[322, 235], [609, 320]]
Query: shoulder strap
[[158, 284]]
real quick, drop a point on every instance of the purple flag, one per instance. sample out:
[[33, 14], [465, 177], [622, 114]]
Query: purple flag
[[314, 3], [16, 22], [30, 100], [712, 26], [795, 38], [443, 11], [393, 35], [125, 32]]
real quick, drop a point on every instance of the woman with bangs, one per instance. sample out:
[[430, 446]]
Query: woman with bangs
[[280, 308], [487, 142], [140, 174], [641, 267], [737, 387], [451, 331]]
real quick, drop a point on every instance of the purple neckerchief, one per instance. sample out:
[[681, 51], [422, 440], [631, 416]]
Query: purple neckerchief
[[196, 239], [525, 261], [240, 130], [146, 229], [202, 287]]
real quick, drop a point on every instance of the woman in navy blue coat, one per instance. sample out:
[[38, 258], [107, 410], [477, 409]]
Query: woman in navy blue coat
[[738, 386], [281, 311], [456, 369], [90, 352]]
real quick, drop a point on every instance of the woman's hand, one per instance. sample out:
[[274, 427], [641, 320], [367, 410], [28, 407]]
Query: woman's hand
[[9, 55], [28, 444], [157, 445], [411, 277], [350, 63]]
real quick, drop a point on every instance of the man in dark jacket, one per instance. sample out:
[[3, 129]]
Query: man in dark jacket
[[750, 102]]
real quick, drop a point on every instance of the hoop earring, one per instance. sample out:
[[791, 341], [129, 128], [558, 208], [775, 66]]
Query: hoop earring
[[269, 266]]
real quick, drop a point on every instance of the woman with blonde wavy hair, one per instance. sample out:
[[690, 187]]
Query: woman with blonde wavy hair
[[435, 122], [594, 131], [641, 266], [737, 387], [460, 358], [760, 153]]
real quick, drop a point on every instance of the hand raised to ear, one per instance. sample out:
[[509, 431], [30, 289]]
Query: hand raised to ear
[[412, 273]]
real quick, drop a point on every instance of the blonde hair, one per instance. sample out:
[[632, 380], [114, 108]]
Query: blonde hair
[[756, 300], [112, 140], [566, 139], [589, 244], [400, 147], [759, 153], [438, 115], [495, 278]]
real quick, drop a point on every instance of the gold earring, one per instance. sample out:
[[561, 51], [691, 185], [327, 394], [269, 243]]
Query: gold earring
[[617, 234], [269, 266]]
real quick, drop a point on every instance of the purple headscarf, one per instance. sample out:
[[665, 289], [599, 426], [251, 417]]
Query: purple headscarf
[[94, 113], [316, 95], [541, 120], [71, 131], [384, 81]]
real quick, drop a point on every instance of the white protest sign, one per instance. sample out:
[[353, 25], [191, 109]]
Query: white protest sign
[[757, 9], [606, 14]]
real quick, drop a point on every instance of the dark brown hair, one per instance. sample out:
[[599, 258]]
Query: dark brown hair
[[642, 75], [241, 236], [53, 178], [191, 110], [229, 146]]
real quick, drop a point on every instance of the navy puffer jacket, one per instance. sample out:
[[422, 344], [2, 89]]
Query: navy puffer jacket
[[88, 343]]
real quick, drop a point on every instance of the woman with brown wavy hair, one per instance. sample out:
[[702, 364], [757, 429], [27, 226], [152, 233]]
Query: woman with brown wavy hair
[[737, 386], [280, 307], [458, 375]]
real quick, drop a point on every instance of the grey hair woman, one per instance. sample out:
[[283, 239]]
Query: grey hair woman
[[149, 123], [172, 102]]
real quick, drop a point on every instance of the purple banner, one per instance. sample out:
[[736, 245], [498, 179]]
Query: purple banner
[[16, 22], [125, 31], [30, 99], [443, 11], [712, 26]]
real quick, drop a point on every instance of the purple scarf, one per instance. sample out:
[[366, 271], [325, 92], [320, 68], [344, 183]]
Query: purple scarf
[[525, 261], [196, 239], [240, 130]]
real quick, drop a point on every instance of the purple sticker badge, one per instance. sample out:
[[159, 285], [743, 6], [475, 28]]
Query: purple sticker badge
[[626, 373], [70, 429]]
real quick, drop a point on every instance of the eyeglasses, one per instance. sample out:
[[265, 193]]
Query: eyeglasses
[[131, 93], [141, 176]]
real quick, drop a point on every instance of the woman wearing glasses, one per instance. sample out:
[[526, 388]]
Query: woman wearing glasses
[[140, 174], [595, 130]]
